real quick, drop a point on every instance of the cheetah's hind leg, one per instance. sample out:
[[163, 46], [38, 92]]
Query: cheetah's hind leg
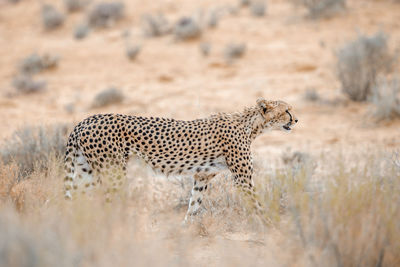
[[79, 177]]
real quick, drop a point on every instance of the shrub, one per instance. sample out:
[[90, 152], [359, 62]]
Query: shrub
[[212, 18], [25, 84], [258, 8], [386, 99], [312, 95], [36, 63], [105, 14], [322, 8], [108, 97], [234, 50], [360, 62], [205, 48], [132, 51], [155, 25], [74, 5], [186, 28], [244, 2], [81, 31], [51, 17], [31, 148]]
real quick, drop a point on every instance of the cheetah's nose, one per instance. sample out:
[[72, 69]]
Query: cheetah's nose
[[296, 120]]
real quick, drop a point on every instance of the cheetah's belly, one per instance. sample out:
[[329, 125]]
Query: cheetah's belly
[[213, 166]]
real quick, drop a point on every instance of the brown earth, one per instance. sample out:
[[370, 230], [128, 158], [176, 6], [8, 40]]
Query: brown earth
[[286, 54]]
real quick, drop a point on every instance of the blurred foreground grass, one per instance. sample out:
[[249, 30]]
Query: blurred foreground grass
[[329, 209]]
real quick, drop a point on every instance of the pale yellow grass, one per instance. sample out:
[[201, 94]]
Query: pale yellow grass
[[328, 210]]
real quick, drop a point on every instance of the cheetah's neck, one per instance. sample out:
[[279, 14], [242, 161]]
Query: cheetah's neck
[[252, 121]]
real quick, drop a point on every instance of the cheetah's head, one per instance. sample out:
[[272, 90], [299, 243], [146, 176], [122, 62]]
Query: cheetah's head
[[277, 115]]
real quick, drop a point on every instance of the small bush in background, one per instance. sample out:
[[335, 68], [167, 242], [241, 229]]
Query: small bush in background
[[35, 63], [25, 84], [212, 18], [244, 2], [105, 14], [132, 51], [386, 99], [155, 25], [51, 17], [258, 8], [205, 48], [31, 148], [187, 28], [75, 5], [312, 95], [81, 31], [233, 51], [360, 62], [108, 97], [322, 8]]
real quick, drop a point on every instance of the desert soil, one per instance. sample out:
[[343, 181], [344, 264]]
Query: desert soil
[[286, 55]]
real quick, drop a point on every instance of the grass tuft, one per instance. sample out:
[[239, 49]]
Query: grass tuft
[[187, 28], [108, 97], [25, 84], [386, 100], [51, 17], [105, 14], [31, 148], [155, 25]]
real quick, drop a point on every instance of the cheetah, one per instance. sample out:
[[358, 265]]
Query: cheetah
[[99, 147]]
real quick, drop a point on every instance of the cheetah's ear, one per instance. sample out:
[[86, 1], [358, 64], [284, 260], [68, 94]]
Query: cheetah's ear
[[265, 105]]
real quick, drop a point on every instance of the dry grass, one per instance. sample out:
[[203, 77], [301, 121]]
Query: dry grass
[[31, 148], [325, 212]]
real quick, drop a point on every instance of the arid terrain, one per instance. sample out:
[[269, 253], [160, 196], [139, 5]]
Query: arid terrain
[[331, 186]]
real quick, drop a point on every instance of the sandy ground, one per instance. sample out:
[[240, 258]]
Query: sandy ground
[[286, 55]]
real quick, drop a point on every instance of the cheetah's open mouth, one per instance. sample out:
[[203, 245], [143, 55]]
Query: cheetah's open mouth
[[287, 127]]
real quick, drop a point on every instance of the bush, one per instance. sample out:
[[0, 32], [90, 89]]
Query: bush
[[212, 18], [322, 8], [205, 48], [186, 28], [31, 148], [105, 14], [108, 97], [81, 31], [132, 51], [74, 5], [155, 25], [312, 95], [360, 62], [36, 63], [51, 17], [258, 8], [25, 84], [386, 99], [234, 50], [244, 2]]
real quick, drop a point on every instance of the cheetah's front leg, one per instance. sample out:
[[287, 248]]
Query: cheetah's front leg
[[200, 186]]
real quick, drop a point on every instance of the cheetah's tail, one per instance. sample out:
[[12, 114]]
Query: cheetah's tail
[[78, 170], [69, 165]]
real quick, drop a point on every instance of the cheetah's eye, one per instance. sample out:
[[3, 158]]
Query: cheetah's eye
[[264, 109]]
